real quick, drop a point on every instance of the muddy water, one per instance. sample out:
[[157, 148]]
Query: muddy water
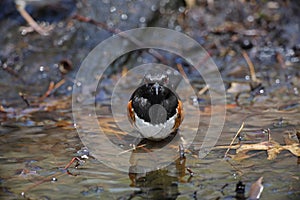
[[33, 158], [36, 145]]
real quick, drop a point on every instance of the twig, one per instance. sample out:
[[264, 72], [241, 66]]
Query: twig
[[56, 175], [72, 161], [24, 99], [269, 135], [235, 168], [182, 72], [251, 67], [203, 90], [121, 34], [96, 23], [20, 7], [236, 135], [59, 83], [203, 61], [47, 93], [223, 187], [11, 71], [133, 148], [52, 87], [47, 179], [280, 59], [190, 171]]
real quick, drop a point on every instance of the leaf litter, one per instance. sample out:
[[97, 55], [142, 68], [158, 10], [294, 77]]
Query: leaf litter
[[271, 147]]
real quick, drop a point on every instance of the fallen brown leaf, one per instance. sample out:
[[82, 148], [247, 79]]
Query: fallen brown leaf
[[273, 149]]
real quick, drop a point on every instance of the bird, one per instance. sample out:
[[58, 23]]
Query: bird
[[155, 109]]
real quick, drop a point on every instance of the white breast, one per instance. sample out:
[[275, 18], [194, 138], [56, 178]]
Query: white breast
[[157, 131]]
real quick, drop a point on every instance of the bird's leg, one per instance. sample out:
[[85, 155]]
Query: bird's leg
[[181, 165]]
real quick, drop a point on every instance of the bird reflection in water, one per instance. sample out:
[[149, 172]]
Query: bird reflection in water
[[161, 183]]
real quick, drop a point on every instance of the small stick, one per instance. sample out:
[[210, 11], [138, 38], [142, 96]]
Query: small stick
[[29, 19], [24, 99], [47, 93], [59, 83], [269, 135], [203, 61], [203, 90], [251, 67], [11, 71], [236, 135], [72, 161], [52, 87], [48, 179], [104, 26], [153, 156], [223, 187], [182, 72], [280, 59], [235, 168], [133, 148], [54, 176], [190, 171]]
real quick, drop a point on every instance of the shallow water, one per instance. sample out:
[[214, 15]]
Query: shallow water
[[36, 143], [32, 156]]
